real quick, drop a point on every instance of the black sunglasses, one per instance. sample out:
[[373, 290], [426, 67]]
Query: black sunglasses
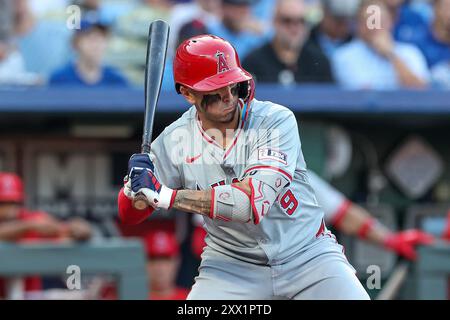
[[292, 21]]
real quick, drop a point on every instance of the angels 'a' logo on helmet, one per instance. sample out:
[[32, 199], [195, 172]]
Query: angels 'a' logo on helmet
[[222, 65]]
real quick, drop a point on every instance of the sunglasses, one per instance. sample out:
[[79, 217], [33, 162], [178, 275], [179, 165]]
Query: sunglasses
[[296, 21]]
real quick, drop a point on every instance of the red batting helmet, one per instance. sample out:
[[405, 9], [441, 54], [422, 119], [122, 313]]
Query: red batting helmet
[[207, 63], [11, 188]]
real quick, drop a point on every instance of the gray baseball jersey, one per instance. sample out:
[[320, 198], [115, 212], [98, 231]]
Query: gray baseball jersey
[[272, 256], [266, 145], [332, 201]]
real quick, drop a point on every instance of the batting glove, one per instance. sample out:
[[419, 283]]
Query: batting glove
[[141, 179], [405, 242]]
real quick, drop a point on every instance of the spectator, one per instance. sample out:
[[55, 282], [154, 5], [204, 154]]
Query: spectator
[[90, 43], [187, 17], [20, 225], [163, 254], [436, 43], [129, 41], [409, 25], [6, 19], [287, 58], [336, 27], [374, 60], [238, 26], [440, 75], [12, 66], [46, 45], [24, 19]]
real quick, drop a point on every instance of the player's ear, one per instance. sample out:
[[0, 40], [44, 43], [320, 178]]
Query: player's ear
[[187, 94]]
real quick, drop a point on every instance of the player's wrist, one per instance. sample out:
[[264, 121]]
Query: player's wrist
[[366, 228], [166, 197]]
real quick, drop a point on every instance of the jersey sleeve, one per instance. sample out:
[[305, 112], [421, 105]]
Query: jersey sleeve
[[166, 168], [276, 147], [333, 202], [275, 153]]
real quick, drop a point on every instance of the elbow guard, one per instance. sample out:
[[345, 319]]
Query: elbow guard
[[230, 203]]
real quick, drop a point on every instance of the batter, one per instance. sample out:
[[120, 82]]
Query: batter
[[238, 162]]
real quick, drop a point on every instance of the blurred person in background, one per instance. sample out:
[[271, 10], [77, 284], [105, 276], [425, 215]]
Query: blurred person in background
[[288, 58], [337, 25], [163, 255], [440, 75], [374, 60], [24, 20], [128, 46], [350, 219], [90, 43], [15, 19], [186, 19], [409, 25], [18, 224], [239, 27], [436, 43]]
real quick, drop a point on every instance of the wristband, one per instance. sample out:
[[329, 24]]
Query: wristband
[[366, 228], [166, 197]]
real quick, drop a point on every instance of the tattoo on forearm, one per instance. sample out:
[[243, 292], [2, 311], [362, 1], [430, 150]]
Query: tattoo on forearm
[[193, 201]]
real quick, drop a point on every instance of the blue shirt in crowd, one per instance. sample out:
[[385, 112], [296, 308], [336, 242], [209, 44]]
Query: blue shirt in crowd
[[435, 51], [412, 28], [358, 66], [68, 75], [243, 42]]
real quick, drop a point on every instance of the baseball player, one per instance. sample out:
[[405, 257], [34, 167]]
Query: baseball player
[[238, 162]]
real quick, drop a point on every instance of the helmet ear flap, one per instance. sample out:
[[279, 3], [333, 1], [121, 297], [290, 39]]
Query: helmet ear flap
[[244, 90]]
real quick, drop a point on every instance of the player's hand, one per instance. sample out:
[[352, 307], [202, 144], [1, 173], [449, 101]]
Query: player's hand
[[141, 179], [78, 229], [46, 227], [405, 242]]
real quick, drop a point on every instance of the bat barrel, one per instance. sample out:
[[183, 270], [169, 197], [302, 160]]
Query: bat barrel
[[156, 59]]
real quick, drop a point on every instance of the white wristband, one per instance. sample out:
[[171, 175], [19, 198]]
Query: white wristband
[[165, 197]]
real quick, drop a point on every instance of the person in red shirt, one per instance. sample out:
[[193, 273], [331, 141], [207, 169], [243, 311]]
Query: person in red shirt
[[163, 254], [17, 224]]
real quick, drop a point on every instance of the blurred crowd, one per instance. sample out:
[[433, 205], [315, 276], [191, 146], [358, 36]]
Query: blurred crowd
[[357, 44]]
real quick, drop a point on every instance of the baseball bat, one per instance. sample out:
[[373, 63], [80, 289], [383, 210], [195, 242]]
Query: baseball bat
[[393, 285], [158, 37]]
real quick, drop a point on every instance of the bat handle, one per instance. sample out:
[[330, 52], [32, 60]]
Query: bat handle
[[140, 202]]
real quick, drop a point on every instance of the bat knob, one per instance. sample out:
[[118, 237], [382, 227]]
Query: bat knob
[[140, 202]]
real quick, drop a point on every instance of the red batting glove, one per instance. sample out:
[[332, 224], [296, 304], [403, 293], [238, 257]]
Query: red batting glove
[[404, 243]]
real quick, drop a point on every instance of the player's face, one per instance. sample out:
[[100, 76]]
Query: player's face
[[218, 105]]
